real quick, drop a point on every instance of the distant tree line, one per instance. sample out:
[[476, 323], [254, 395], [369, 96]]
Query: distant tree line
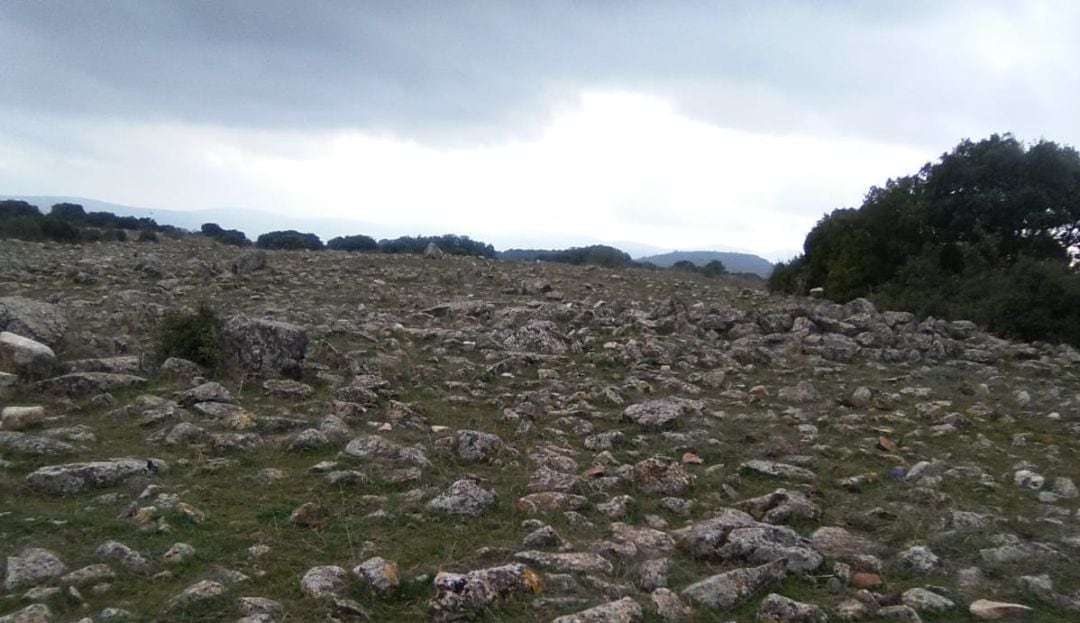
[[990, 233], [448, 243], [71, 223], [596, 255]]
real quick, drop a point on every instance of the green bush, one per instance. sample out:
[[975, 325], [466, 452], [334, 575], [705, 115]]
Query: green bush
[[190, 335]]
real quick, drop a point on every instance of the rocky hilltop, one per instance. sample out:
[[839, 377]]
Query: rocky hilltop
[[406, 438]]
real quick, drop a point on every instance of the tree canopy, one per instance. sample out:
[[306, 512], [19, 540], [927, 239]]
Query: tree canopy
[[989, 230]]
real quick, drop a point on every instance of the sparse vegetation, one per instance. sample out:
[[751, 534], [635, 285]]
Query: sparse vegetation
[[190, 335]]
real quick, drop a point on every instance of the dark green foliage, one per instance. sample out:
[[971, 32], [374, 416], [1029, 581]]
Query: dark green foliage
[[147, 235], [685, 266], [988, 233], [289, 239], [71, 212], [10, 209], [449, 243], [357, 242], [69, 222], [597, 255], [192, 336], [714, 268], [233, 237], [53, 228]]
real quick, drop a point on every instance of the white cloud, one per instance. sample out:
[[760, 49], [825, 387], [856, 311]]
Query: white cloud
[[619, 166]]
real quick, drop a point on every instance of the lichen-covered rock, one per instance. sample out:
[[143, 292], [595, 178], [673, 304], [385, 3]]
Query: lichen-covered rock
[[33, 566], [662, 476], [34, 613], [465, 497], [729, 589], [23, 444], [566, 561], [734, 536], [323, 582], [779, 609], [41, 322], [78, 477], [22, 418], [82, 384], [464, 595], [126, 557], [25, 357], [625, 610], [781, 506], [537, 336], [263, 348], [474, 445], [379, 573], [370, 447], [659, 414], [197, 592]]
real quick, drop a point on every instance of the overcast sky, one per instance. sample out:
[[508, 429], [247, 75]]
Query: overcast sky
[[677, 124]]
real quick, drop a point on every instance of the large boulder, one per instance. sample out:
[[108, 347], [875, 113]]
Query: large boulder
[[81, 384], [31, 567], [263, 348], [41, 322], [25, 357], [78, 477]]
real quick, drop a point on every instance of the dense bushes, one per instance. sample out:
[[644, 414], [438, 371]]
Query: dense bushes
[[597, 255], [233, 237], [989, 233], [69, 223], [449, 243], [289, 239], [353, 243], [190, 335]]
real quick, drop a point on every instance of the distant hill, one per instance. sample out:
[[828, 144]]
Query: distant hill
[[734, 262]]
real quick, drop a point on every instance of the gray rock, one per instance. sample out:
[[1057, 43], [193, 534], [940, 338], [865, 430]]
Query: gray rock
[[567, 561], [41, 322], [288, 389], [729, 589], [781, 506], [778, 470], [379, 573], [659, 414], [903, 613], [206, 392], [918, 559], [23, 444], [126, 557], [464, 498], [779, 609], [82, 384], [323, 582], [34, 613], [922, 600], [669, 606], [537, 336], [264, 348], [734, 536], [78, 477], [22, 418], [625, 610], [197, 592], [463, 596], [473, 445], [126, 364], [25, 357], [33, 566], [369, 447], [662, 476]]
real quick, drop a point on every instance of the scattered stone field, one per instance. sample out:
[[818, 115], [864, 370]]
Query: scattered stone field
[[411, 438]]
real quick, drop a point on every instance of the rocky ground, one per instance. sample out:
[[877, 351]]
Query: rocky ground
[[406, 438]]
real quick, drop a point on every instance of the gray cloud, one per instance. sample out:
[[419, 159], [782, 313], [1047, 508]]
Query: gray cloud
[[920, 73]]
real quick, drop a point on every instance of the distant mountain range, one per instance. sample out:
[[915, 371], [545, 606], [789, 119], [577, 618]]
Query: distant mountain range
[[255, 222], [734, 262]]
